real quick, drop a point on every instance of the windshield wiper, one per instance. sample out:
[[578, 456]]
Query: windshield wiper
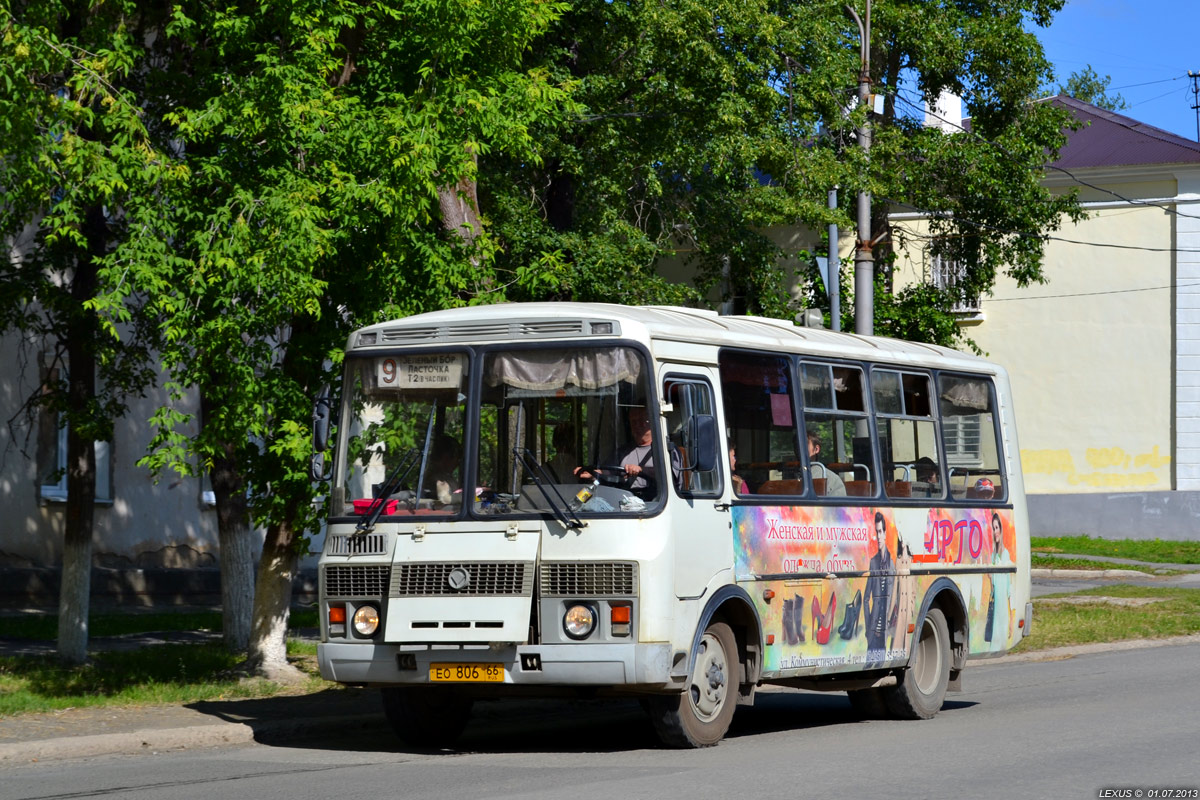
[[562, 510], [407, 461], [396, 479], [424, 456]]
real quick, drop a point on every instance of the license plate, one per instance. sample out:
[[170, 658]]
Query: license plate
[[466, 673]]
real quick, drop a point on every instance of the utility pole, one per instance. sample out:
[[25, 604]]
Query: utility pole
[[835, 268], [1195, 76], [864, 260]]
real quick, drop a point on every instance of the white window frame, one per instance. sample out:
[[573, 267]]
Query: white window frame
[[945, 274], [57, 492]]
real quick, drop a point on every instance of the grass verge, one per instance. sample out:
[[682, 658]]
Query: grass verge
[[45, 626], [1157, 550], [166, 674], [161, 674], [1116, 613]]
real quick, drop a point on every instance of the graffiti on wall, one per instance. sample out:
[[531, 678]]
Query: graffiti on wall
[[1106, 467]]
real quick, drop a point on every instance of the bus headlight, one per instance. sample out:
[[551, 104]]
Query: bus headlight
[[366, 620], [579, 621]]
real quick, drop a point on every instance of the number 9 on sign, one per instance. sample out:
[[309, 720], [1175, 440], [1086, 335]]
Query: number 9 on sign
[[387, 372]]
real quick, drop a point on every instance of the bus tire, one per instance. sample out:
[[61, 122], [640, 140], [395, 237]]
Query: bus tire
[[700, 715], [922, 686], [428, 719], [869, 703]]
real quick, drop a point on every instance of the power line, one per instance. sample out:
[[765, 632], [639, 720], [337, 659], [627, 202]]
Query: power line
[[1090, 294], [1063, 170], [1026, 235], [1148, 83]]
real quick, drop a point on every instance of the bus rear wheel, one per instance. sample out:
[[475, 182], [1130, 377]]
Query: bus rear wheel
[[700, 715], [430, 719], [921, 690]]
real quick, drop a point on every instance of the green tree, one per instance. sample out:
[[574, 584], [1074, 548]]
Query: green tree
[[330, 152], [982, 185], [75, 150], [704, 124], [1089, 87]]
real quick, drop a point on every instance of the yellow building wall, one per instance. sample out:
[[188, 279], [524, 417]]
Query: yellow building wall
[[1089, 352]]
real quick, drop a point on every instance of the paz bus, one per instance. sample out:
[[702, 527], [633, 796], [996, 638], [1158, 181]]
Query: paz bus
[[659, 502]]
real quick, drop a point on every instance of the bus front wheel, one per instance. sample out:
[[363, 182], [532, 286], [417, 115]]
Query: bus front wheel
[[426, 718], [700, 715], [922, 687]]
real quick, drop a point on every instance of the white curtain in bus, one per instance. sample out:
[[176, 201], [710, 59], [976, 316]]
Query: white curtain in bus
[[548, 370]]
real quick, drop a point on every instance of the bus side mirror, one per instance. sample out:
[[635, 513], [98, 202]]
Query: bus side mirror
[[703, 436], [322, 412]]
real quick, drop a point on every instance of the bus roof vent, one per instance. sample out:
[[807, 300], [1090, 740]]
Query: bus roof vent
[[409, 335], [471, 331], [552, 327]]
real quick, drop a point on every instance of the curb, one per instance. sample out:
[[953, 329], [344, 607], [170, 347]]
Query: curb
[[1041, 572], [213, 734], [1060, 653]]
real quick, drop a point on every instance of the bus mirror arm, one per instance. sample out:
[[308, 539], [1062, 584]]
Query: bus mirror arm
[[317, 469], [322, 411], [562, 511]]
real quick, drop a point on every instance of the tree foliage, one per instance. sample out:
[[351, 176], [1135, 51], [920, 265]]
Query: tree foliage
[[264, 177], [75, 155], [1088, 86], [705, 124]]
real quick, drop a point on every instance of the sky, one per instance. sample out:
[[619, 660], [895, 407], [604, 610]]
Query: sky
[[1146, 46]]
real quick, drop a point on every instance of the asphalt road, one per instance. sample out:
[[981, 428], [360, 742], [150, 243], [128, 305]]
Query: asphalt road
[[1068, 728]]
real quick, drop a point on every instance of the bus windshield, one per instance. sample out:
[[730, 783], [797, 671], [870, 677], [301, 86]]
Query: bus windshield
[[404, 443], [567, 419], [551, 422]]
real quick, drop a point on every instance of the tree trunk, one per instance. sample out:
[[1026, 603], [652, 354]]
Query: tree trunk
[[81, 330], [272, 603], [235, 538]]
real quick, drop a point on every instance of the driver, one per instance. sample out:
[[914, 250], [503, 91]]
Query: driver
[[637, 457]]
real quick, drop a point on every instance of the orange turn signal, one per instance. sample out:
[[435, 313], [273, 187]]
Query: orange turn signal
[[620, 615], [337, 615]]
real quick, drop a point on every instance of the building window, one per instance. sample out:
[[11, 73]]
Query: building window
[[52, 458], [946, 274]]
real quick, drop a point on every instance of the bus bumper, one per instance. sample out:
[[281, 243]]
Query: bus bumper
[[646, 666]]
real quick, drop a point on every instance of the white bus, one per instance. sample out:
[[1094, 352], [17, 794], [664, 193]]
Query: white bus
[[543, 499]]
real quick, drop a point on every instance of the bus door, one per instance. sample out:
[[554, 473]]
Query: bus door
[[701, 532]]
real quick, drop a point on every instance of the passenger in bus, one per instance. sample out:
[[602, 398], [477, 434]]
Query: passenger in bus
[[834, 485], [739, 483], [927, 470], [636, 458], [442, 469], [562, 463]]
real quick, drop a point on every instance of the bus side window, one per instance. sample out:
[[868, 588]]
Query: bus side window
[[908, 441], [836, 425], [759, 399], [974, 462]]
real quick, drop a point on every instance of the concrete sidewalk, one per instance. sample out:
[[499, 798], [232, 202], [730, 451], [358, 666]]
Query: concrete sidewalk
[[83, 732]]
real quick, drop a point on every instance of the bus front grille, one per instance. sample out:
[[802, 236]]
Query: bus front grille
[[356, 581], [589, 579], [369, 544], [494, 578]]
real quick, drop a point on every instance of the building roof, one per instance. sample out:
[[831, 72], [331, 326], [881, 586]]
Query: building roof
[[1109, 139]]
